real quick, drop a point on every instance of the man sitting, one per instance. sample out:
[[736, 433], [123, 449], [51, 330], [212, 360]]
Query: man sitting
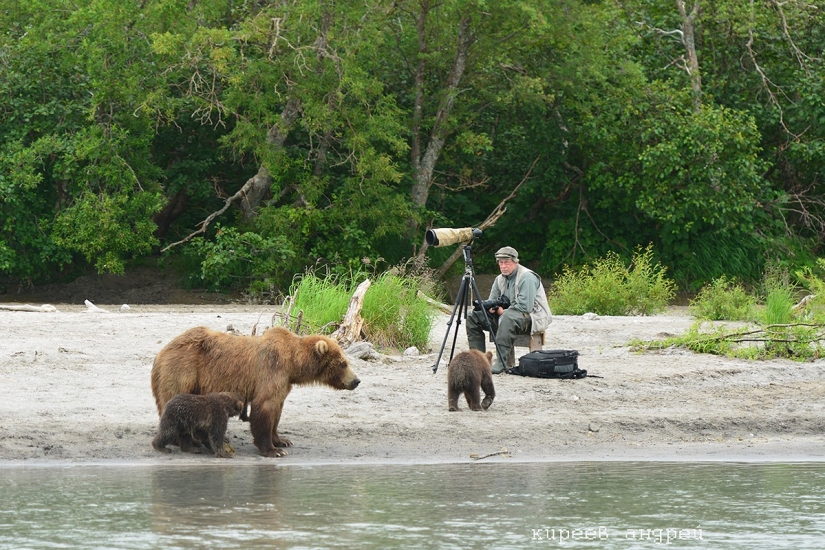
[[528, 311]]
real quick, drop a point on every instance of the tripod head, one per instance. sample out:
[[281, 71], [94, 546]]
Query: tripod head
[[468, 260]]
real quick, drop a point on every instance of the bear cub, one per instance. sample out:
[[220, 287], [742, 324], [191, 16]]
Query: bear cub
[[189, 419], [466, 373]]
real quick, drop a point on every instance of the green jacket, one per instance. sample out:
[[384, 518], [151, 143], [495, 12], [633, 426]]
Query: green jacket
[[526, 293]]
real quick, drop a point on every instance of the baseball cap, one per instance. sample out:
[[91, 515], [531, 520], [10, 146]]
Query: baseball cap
[[507, 252]]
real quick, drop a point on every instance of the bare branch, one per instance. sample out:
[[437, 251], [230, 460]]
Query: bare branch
[[204, 225], [801, 57], [491, 220]]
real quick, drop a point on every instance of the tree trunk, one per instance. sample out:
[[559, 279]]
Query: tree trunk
[[420, 73], [173, 209], [425, 165], [261, 183], [276, 137], [689, 41]]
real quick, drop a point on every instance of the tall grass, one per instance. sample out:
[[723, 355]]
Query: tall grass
[[323, 301], [394, 313], [779, 296]]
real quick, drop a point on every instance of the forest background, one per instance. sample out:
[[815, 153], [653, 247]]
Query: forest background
[[242, 141]]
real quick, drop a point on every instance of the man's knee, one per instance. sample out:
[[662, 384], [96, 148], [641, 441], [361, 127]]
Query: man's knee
[[515, 322]]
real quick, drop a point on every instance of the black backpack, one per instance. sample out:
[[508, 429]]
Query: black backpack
[[550, 363]]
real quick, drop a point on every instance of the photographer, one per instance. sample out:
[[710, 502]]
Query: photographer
[[527, 311]]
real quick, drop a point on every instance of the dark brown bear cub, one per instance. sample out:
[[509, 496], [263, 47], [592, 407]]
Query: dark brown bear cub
[[189, 419], [466, 373]]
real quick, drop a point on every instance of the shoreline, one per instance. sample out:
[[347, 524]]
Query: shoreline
[[799, 456]]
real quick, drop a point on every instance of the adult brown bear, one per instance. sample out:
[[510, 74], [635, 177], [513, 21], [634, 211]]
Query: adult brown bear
[[466, 373], [262, 369]]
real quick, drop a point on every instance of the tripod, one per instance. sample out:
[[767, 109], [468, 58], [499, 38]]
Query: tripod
[[462, 301]]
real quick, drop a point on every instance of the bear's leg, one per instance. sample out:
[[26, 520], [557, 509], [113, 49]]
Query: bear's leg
[[260, 424], [277, 440], [216, 437], [160, 442], [489, 390], [473, 396], [186, 441], [200, 438], [452, 398]]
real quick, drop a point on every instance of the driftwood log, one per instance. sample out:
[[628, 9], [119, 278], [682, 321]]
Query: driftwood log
[[45, 308], [350, 329]]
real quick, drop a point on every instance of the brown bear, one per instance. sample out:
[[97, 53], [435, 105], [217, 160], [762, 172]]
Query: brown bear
[[466, 373], [262, 369], [189, 419]]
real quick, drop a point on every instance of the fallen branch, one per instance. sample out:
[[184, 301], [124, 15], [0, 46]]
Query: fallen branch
[[504, 452], [806, 342], [446, 308]]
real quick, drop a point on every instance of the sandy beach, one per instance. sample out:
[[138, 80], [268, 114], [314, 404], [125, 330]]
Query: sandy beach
[[76, 390]]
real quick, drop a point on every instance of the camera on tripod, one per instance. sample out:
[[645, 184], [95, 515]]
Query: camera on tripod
[[502, 302], [446, 237], [468, 287]]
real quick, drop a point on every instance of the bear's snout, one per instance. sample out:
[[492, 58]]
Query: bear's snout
[[354, 384]]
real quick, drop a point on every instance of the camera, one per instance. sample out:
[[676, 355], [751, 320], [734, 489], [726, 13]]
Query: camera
[[446, 237], [502, 302]]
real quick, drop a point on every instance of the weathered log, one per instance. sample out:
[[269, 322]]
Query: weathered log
[[45, 308], [350, 329]]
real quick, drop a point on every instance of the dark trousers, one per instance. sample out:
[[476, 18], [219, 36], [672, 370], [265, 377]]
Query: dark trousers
[[511, 323]]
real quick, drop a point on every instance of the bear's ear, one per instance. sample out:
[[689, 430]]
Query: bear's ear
[[489, 355], [321, 347]]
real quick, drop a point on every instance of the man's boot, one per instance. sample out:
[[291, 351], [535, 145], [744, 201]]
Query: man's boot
[[498, 367]]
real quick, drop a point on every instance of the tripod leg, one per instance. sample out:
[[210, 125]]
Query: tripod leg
[[461, 314], [459, 302]]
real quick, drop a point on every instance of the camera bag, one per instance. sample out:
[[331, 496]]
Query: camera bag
[[549, 363]]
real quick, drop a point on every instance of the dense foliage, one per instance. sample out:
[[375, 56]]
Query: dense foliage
[[250, 139]]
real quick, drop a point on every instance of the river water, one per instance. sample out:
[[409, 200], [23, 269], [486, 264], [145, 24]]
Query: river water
[[500, 505]]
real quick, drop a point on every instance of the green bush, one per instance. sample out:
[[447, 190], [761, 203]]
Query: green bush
[[235, 259], [723, 299], [609, 286], [395, 314], [778, 330]]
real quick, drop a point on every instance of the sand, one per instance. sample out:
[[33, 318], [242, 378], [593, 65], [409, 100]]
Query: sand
[[75, 389]]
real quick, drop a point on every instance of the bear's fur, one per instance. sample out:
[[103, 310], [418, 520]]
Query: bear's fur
[[262, 369], [189, 419], [466, 373]]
